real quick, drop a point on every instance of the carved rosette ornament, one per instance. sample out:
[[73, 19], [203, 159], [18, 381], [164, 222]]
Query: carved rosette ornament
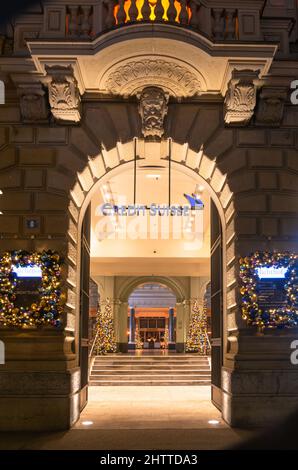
[[153, 107], [271, 106], [64, 96], [241, 97], [130, 78], [33, 103]]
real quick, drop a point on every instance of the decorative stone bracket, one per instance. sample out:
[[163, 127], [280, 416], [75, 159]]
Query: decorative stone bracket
[[153, 107], [241, 97], [64, 96], [271, 106], [33, 103]]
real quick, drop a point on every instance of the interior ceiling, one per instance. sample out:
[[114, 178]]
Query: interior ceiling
[[152, 295], [144, 247]]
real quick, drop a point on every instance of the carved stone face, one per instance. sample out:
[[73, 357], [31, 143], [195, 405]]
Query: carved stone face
[[153, 109]]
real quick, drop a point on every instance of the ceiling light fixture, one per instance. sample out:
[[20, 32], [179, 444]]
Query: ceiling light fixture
[[1, 192], [87, 423], [151, 176], [213, 421]]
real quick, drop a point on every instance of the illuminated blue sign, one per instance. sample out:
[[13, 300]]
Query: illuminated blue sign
[[271, 272], [27, 271]]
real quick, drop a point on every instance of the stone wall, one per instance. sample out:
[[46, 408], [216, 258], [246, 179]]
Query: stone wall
[[47, 171]]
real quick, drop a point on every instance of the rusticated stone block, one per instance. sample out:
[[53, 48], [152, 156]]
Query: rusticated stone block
[[220, 143], [36, 156], [282, 138], [73, 210], [3, 135], [282, 203], [16, 201], [50, 202], [233, 161], [230, 210], [55, 224], [10, 179], [230, 231], [226, 196], [9, 224], [244, 181], [246, 225], [217, 180], [83, 142], [21, 135], [86, 179], [251, 203], [289, 181], [111, 158], [292, 158], [206, 167], [231, 299], [289, 227], [34, 178], [77, 195], [72, 231], [254, 137], [58, 180], [269, 226], [72, 252], [265, 158], [47, 135], [267, 180], [7, 157]]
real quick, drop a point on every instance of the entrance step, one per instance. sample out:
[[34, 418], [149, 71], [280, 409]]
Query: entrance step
[[126, 369]]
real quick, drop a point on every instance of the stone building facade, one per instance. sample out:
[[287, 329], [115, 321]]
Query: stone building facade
[[84, 83]]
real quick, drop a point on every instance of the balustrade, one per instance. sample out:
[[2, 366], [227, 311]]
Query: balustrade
[[79, 21], [225, 23], [83, 21]]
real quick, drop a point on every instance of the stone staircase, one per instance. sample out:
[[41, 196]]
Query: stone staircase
[[172, 369]]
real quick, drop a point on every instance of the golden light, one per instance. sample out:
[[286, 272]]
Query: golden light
[[152, 4]]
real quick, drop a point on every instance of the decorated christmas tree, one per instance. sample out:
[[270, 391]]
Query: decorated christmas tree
[[105, 341], [197, 339], [166, 336], [138, 339]]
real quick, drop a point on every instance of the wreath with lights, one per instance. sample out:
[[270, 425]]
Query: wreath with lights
[[286, 316], [49, 308]]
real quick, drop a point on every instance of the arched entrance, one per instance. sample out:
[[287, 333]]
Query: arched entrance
[[199, 166]]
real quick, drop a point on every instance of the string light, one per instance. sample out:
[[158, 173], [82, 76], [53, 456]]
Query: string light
[[49, 308], [286, 316], [105, 331], [197, 339]]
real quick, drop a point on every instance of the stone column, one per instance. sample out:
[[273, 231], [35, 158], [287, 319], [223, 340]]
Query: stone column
[[122, 345], [171, 344], [132, 329], [180, 327]]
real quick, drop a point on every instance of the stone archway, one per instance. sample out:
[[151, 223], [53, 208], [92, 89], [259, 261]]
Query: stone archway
[[97, 171], [174, 284], [104, 165]]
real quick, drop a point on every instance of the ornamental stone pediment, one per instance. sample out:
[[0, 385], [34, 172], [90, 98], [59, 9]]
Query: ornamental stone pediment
[[131, 77], [124, 61]]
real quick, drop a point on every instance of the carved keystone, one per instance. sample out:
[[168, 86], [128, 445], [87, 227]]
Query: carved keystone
[[33, 102], [153, 107], [64, 96], [240, 100], [271, 106]]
